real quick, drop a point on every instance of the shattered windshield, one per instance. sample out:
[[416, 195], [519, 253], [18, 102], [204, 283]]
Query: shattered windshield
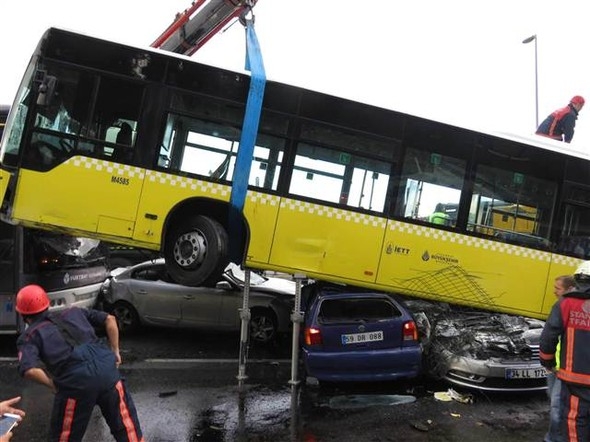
[[55, 250], [69, 245]]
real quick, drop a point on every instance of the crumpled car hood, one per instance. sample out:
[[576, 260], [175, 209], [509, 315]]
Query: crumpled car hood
[[474, 333], [486, 336]]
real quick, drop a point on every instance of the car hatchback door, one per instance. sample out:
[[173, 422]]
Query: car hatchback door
[[351, 323]]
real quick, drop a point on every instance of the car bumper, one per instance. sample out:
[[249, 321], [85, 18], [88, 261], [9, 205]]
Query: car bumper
[[363, 366], [492, 375]]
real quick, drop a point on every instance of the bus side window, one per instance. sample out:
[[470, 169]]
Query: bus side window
[[574, 238], [512, 206], [339, 177], [429, 179]]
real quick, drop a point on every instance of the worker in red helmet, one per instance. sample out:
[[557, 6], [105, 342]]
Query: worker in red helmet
[[561, 123], [61, 351]]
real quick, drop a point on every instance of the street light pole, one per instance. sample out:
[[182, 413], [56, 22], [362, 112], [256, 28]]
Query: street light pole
[[525, 41]]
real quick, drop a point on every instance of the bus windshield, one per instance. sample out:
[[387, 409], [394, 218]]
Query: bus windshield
[[50, 251]]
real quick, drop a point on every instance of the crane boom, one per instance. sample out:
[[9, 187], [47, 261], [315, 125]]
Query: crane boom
[[193, 27]]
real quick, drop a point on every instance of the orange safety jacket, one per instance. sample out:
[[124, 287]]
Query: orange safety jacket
[[568, 323], [560, 124]]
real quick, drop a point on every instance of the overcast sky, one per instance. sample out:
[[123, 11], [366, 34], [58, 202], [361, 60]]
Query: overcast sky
[[461, 62]]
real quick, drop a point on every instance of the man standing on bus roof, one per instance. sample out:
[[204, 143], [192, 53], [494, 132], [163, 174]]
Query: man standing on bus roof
[[561, 123], [79, 368]]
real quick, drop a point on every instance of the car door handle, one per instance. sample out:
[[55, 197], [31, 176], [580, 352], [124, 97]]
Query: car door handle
[[142, 292], [188, 297]]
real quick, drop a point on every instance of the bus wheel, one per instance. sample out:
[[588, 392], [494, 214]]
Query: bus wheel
[[196, 251]]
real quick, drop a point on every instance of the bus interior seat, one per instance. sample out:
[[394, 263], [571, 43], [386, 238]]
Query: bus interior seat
[[125, 138], [124, 135]]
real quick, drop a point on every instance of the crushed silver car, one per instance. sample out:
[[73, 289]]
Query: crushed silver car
[[144, 294], [479, 349]]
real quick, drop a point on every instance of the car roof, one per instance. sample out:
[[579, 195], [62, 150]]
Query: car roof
[[231, 275], [353, 294]]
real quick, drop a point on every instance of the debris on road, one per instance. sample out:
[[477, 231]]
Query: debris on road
[[452, 395]]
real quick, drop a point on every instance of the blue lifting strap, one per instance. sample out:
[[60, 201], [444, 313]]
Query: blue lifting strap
[[248, 137], [251, 119]]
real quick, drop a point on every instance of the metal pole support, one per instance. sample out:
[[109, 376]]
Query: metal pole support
[[297, 319], [245, 328]]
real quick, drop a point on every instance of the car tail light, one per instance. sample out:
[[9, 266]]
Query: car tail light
[[313, 336], [410, 331]]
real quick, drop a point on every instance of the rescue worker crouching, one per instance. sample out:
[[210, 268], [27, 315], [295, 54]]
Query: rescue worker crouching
[[80, 368]]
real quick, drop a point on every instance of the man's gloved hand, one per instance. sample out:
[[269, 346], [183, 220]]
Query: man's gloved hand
[[548, 363]]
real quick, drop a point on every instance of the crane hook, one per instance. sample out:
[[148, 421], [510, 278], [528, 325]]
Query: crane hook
[[244, 20]]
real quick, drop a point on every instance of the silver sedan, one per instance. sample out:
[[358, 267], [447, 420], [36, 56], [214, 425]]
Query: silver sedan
[[144, 294]]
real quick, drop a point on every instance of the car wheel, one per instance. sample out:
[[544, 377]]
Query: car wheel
[[263, 326], [196, 251], [127, 317]]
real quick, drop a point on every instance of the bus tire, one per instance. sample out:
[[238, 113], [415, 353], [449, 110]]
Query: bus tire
[[196, 251]]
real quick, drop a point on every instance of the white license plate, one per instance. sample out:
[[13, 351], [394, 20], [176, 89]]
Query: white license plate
[[357, 338], [525, 373]]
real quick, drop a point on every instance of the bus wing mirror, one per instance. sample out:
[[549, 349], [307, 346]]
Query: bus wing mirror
[[46, 90]]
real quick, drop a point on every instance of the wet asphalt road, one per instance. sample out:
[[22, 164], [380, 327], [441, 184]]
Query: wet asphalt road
[[186, 389]]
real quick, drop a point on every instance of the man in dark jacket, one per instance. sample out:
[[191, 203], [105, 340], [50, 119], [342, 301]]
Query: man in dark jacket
[[569, 324], [61, 351], [561, 123]]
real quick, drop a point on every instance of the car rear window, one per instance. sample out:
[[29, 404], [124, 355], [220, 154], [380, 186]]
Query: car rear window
[[152, 273], [352, 310]]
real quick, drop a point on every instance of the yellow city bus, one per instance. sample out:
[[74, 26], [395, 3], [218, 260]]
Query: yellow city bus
[[138, 147]]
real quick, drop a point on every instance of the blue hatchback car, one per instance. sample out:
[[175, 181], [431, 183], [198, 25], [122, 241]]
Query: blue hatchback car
[[359, 337]]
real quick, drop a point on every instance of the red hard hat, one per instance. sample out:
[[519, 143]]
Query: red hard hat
[[577, 100], [31, 299]]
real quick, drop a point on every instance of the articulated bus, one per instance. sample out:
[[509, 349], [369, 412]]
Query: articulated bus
[[71, 269], [138, 147]]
